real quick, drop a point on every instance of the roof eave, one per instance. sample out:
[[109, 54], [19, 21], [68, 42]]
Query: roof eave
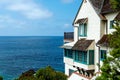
[[77, 13]]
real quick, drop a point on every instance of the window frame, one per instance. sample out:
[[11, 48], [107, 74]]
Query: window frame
[[111, 24], [81, 57], [103, 54], [82, 30], [68, 53]]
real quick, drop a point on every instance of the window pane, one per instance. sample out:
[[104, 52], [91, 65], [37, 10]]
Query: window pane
[[91, 56], [80, 56], [68, 53], [103, 54], [85, 57], [82, 30], [111, 24], [65, 52], [85, 29]]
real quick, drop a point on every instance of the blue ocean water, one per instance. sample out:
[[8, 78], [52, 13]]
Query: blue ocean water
[[19, 54]]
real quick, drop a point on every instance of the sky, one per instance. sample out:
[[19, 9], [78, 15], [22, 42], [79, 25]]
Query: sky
[[37, 17]]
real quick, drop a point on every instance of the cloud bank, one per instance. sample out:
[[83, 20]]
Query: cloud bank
[[27, 8]]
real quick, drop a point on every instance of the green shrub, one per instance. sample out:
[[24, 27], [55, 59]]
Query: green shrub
[[1, 78], [47, 73], [28, 75], [50, 74]]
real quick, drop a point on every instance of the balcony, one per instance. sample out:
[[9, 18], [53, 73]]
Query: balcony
[[68, 60], [81, 59], [84, 66], [68, 36], [71, 61]]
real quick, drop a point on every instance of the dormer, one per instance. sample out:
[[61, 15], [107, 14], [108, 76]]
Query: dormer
[[82, 28]]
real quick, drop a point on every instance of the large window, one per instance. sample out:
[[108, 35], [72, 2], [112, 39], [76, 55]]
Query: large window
[[85, 57], [68, 53], [81, 56], [82, 30], [102, 54]]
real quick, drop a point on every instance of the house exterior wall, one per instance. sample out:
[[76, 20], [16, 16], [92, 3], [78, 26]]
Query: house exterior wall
[[93, 26], [67, 68], [76, 77], [75, 34], [103, 28], [96, 28]]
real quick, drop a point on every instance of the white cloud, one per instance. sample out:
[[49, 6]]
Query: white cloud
[[67, 1], [66, 25], [6, 19], [28, 8]]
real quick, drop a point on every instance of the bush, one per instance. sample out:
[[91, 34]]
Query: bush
[[1, 78], [47, 73], [28, 75], [50, 74]]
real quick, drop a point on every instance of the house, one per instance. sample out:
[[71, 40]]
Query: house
[[83, 56]]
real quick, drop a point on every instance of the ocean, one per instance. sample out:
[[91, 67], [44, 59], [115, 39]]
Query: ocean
[[21, 53]]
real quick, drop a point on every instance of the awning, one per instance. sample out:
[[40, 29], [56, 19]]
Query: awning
[[82, 45], [117, 17], [81, 21], [104, 41], [66, 47]]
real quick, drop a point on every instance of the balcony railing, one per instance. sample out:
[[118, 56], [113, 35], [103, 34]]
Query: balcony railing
[[68, 36]]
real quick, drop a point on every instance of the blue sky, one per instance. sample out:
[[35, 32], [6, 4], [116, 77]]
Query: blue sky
[[37, 17]]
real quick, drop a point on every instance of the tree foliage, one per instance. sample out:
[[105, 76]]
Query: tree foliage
[[43, 74], [1, 78], [115, 4], [111, 65], [50, 74]]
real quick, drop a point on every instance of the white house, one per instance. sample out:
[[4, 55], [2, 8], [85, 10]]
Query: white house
[[92, 23]]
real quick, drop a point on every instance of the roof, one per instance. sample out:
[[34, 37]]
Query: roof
[[117, 17], [82, 45], [107, 7], [68, 45], [104, 41], [101, 7], [82, 21], [97, 5]]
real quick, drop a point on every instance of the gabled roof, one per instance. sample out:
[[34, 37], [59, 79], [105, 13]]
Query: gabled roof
[[104, 41], [107, 7], [82, 45], [97, 5], [101, 7], [117, 17], [82, 21]]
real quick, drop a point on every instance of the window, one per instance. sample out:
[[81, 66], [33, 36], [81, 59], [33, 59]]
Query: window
[[102, 54], [68, 53], [111, 24], [70, 71], [82, 30], [85, 57], [81, 56], [76, 56], [91, 57]]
